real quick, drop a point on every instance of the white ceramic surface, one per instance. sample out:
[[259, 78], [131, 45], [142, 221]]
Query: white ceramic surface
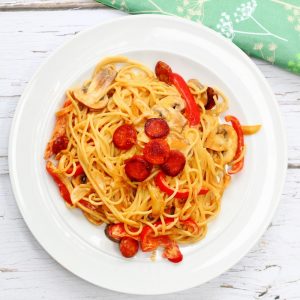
[[248, 204]]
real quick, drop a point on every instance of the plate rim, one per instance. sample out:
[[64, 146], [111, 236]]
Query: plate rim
[[18, 113]]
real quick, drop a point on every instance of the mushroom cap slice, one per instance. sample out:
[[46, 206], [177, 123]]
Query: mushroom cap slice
[[170, 109], [92, 94]]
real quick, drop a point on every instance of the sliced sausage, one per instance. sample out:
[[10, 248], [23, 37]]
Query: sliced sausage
[[163, 72], [59, 144], [174, 164], [137, 168], [128, 247], [156, 128], [172, 253], [124, 137], [156, 151], [210, 98]]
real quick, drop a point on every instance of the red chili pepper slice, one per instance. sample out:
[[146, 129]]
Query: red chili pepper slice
[[190, 225], [156, 151], [203, 191], [238, 129], [237, 167], [163, 72], [192, 109], [124, 137], [156, 128], [149, 242], [116, 232], [210, 98], [59, 144], [128, 247], [67, 103], [87, 204], [64, 192], [137, 168], [174, 164], [172, 253], [159, 181], [79, 170]]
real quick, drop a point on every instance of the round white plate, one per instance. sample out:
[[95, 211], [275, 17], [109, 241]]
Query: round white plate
[[248, 204]]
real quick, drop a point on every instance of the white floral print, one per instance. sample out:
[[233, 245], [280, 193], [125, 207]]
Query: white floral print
[[245, 11], [225, 26]]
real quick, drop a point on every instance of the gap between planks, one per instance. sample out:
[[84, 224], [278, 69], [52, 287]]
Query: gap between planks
[[293, 165], [51, 6]]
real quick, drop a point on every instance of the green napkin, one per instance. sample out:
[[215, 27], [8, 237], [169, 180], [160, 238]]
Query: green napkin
[[267, 29]]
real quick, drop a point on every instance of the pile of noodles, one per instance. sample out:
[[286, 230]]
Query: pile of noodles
[[134, 96]]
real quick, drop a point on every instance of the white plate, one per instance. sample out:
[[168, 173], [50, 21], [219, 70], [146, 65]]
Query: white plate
[[248, 204]]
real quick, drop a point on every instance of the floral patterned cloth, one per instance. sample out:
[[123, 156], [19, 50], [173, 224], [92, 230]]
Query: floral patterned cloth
[[267, 29]]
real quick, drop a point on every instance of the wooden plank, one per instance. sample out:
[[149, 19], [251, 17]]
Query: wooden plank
[[12, 5], [271, 267]]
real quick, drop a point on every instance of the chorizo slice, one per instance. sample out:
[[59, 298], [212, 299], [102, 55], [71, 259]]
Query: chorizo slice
[[124, 137], [163, 72], [137, 168], [174, 164], [59, 144], [156, 151], [128, 247], [156, 128], [210, 98]]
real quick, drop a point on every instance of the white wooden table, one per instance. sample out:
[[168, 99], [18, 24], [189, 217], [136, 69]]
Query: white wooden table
[[29, 31]]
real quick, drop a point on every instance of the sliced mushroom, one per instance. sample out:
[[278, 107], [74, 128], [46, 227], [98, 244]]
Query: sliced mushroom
[[92, 94], [224, 139], [170, 109], [174, 102]]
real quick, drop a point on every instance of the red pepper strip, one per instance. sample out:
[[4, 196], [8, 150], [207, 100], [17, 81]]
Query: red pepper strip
[[116, 232], [237, 167], [79, 170], [87, 204], [239, 131], [192, 109], [172, 253], [64, 192], [190, 224], [203, 191], [67, 103], [159, 181], [151, 243]]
